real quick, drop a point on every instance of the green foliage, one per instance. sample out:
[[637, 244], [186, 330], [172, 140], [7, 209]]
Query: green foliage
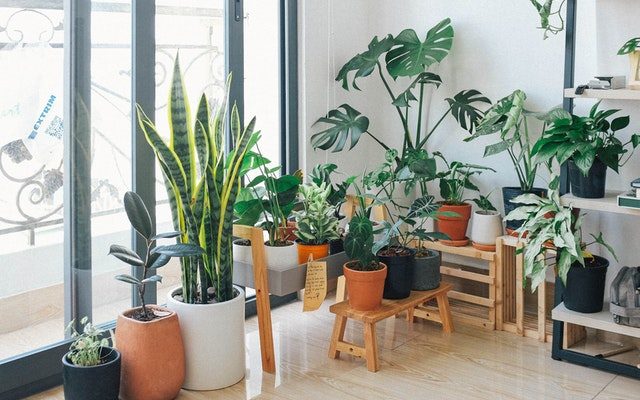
[[484, 203], [202, 182], [321, 173], [456, 179], [548, 222], [548, 13], [630, 46], [405, 55], [268, 200], [86, 348], [317, 223], [583, 139], [510, 120], [155, 257]]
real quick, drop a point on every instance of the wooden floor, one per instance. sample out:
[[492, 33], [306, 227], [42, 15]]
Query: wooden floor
[[417, 362]]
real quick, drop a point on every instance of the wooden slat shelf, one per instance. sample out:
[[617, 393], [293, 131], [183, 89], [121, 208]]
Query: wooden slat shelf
[[616, 94], [465, 251], [607, 204], [602, 320]]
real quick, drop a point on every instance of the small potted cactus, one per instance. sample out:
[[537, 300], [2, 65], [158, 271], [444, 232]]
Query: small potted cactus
[[317, 224]]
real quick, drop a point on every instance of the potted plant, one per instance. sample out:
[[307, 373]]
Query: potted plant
[[365, 276], [551, 20], [511, 122], [91, 368], [316, 223], [146, 372], [551, 225], [589, 145], [202, 181], [454, 210], [268, 201], [320, 174], [632, 48], [486, 225], [392, 57]]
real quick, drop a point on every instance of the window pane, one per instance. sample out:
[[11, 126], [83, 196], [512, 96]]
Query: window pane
[[262, 72], [111, 153], [31, 153], [195, 28]]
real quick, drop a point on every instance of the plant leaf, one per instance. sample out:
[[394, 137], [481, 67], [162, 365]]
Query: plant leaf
[[463, 109], [342, 125], [179, 250], [128, 279], [167, 235], [364, 63], [153, 278], [138, 214], [126, 255]]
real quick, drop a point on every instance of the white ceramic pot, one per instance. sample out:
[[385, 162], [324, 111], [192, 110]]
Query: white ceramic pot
[[213, 336], [486, 227], [242, 253], [281, 257]]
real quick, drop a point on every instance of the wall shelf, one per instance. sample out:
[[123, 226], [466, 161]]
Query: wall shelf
[[607, 204], [602, 320], [616, 94]]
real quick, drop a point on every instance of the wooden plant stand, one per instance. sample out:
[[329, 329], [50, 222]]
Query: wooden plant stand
[[470, 304], [388, 309]]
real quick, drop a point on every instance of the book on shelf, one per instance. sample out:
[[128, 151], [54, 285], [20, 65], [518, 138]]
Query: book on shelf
[[629, 200]]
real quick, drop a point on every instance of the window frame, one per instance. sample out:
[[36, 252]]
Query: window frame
[[41, 369]]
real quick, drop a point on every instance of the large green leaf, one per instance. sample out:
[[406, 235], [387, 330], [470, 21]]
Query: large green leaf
[[630, 46], [423, 207], [364, 63], [411, 56], [359, 241], [138, 214], [124, 254], [179, 250], [342, 126], [181, 136], [407, 96], [464, 110]]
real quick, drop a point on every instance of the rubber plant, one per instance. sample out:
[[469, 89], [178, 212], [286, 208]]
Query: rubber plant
[[394, 58], [202, 181]]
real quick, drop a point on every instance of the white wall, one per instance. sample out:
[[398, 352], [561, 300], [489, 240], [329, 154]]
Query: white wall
[[497, 49]]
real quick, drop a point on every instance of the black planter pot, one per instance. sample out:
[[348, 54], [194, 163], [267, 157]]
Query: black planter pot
[[399, 279], [100, 382], [584, 291], [426, 271], [590, 186], [336, 246], [511, 192]]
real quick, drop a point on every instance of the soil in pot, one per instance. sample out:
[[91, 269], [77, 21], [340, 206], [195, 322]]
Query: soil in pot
[[99, 382], [400, 263], [509, 193], [153, 364], [318, 251], [365, 287], [584, 291], [426, 271], [590, 186], [454, 226]]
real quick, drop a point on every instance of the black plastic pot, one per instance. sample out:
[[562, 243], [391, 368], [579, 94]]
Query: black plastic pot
[[399, 279], [426, 271], [100, 382], [590, 186], [511, 192], [584, 291], [336, 246]]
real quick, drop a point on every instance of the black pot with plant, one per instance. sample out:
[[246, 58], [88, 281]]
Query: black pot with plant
[[426, 271], [91, 368], [589, 144], [584, 291]]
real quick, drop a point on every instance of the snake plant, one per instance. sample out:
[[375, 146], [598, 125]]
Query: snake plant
[[202, 181]]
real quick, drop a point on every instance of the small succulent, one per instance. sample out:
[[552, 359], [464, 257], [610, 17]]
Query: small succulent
[[317, 223], [86, 348]]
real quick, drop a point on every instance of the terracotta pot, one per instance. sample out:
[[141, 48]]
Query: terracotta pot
[[153, 365], [318, 250], [365, 287], [289, 233], [454, 227]]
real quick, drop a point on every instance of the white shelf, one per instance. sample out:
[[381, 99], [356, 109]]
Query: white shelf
[[616, 94], [607, 204], [602, 320]]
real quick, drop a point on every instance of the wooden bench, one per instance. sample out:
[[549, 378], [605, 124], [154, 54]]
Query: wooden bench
[[388, 309]]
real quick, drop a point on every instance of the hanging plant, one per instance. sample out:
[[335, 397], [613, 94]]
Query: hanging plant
[[551, 19]]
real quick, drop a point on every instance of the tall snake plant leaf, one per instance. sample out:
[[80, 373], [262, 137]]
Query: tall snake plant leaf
[[181, 139], [412, 56]]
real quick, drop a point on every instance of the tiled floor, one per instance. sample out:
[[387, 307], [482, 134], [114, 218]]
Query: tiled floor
[[417, 362]]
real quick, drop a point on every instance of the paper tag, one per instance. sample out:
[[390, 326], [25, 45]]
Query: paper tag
[[315, 287]]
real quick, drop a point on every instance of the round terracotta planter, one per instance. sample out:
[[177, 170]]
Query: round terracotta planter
[[317, 250], [153, 366], [454, 227], [365, 287]]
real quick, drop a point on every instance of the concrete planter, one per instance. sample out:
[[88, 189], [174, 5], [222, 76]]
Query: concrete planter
[[486, 227]]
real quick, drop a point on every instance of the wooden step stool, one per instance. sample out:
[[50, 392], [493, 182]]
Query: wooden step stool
[[388, 309]]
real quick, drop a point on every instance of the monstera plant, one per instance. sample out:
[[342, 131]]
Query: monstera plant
[[398, 58]]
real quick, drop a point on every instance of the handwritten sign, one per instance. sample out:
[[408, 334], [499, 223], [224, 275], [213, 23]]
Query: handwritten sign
[[315, 287]]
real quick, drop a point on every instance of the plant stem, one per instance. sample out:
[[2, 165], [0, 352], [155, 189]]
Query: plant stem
[[407, 137], [424, 141], [420, 101]]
